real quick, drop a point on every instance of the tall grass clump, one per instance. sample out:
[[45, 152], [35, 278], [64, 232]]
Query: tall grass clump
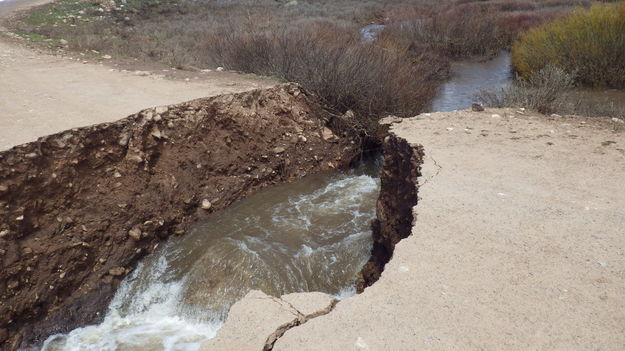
[[590, 43], [542, 91]]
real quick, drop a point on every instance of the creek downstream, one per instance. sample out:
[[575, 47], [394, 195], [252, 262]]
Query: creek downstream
[[310, 235]]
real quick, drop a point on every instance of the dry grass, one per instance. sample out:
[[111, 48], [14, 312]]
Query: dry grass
[[313, 42], [552, 90], [542, 91], [371, 79]]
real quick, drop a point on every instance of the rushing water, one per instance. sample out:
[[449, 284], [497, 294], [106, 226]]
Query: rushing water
[[311, 235]]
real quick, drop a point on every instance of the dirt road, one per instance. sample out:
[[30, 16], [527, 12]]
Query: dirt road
[[517, 244], [42, 94]]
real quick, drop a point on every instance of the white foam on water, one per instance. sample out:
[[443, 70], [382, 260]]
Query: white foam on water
[[141, 319], [296, 245]]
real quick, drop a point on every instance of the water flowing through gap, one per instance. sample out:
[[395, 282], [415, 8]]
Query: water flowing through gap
[[311, 235]]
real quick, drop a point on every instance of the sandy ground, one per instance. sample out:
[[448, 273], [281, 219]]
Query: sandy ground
[[42, 94], [518, 243]]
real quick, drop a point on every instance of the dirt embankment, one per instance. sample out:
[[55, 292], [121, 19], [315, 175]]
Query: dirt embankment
[[394, 215], [79, 208]]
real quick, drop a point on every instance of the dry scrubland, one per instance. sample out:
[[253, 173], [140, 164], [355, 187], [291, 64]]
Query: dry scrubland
[[315, 43]]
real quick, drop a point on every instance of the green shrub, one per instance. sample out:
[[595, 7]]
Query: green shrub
[[590, 43]]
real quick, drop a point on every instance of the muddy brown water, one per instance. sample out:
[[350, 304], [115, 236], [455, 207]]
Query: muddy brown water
[[311, 235]]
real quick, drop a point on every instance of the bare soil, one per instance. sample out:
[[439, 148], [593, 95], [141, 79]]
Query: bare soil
[[44, 92], [79, 208]]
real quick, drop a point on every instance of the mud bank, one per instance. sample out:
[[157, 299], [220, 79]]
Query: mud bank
[[79, 208], [394, 215]]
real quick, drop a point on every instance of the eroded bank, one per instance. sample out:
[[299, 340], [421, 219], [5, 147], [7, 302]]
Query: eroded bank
[[81, 207]]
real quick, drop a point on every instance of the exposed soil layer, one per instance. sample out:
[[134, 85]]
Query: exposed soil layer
[[398, 195], [79, 208]]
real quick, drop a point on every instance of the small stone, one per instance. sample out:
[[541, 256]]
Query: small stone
[[62, 275], [117, 271], [27, 251], [617, 120], [107, 57], [3, 188], [206, 205], [302, 138], [31, 155], [161, 109], [449, 129], [327, 135], [63, 42], [494, 115], [477, 108], [135, 234], [219, 69], [123, 139], [19, 218], [4, 233], [135, 158], [156, 133], [388, 120], [555, 115], [279, 150], [117, 174]]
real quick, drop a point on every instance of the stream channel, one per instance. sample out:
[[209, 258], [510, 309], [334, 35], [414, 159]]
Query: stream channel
[[311, 235]]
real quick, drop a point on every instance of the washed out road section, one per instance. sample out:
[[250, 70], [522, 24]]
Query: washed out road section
[[517, 244]]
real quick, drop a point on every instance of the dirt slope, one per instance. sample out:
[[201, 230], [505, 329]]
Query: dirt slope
[[79, 208], [42, 94]]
